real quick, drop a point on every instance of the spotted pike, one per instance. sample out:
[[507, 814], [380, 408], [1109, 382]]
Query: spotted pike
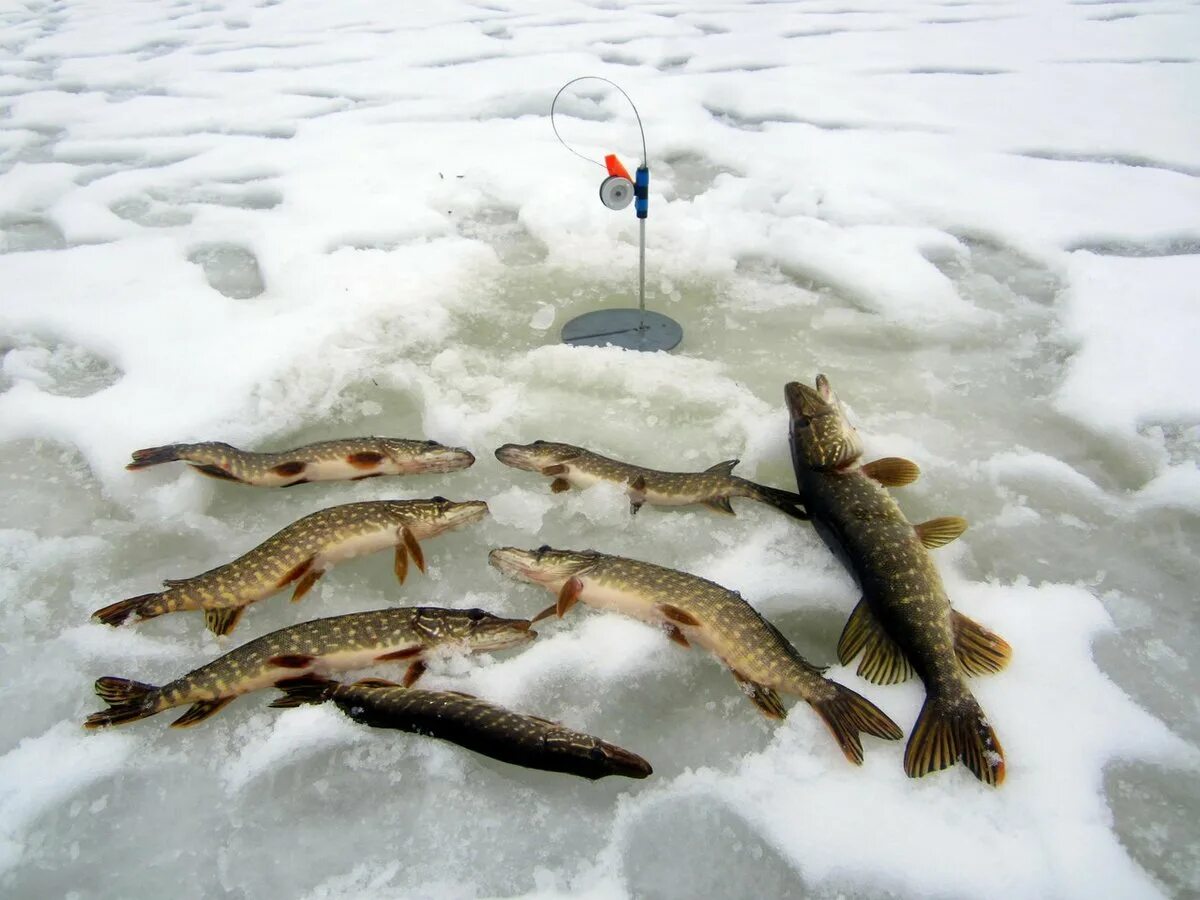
[[317, 648], [692, 609], [349, 459], [904, 624], [572, 466], [475, 724], [300, 554]]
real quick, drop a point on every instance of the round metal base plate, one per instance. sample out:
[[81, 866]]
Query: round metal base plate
[[632, 329]]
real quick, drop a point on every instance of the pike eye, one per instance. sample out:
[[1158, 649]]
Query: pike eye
[[803, 421], [596, 754], [431, 443], [538, 443], [476, 615], [440, 500], [542, 549]]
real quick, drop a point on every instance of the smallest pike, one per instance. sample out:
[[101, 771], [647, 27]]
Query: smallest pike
[[475, 724], [317, 648], [349, 459], [572, 466]]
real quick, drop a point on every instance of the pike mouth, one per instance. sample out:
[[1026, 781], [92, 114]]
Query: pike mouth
[[517, 456], [466, 513], [514, 633], [516, 563], [449, 460]]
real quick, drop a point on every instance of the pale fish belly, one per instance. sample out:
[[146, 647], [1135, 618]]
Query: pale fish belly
[[342, 470], [329, 664], [612, 598], [359, 545]]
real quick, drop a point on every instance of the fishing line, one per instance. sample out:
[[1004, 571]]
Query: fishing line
[[633, 106]]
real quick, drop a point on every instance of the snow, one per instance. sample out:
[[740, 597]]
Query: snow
[[276, 222]]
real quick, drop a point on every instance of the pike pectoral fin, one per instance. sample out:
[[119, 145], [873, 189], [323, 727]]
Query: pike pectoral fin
[[721, 505], [675, 614], [892, 471], [406, 653], [545, 613], [883, 661], [304, 585], [979, 651], [288, 469], [568, 596], [765, 698], [676, 635], [401, 565], [375, 682], [414, 672], [222, 621], [558, 485], [557, 469], [414, 549], [939, 532], [200, 711], [291, 661]]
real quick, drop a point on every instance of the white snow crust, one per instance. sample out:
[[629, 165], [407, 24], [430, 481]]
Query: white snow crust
[[276, 221]]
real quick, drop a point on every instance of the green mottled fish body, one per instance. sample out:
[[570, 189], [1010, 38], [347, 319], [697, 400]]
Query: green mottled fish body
[[317, 648], [299, 554], [572, 466], [904, 624], [694, 610], [349, 459], [475, 724]]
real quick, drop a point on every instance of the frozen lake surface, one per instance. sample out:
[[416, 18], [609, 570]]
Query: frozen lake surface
[[275, 222]]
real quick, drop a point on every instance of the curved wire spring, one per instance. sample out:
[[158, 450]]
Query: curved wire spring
[[623, 94]]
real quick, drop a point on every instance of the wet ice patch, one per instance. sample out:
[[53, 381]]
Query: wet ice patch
[[230, 269], [56, 368]]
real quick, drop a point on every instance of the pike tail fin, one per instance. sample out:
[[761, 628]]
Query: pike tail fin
[[947, 732], [117, 613], [127, 702], [302, 690], [784, 501], [152, 456], [847, 714]]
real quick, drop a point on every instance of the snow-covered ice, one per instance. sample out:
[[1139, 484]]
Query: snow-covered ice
[[288, 220]]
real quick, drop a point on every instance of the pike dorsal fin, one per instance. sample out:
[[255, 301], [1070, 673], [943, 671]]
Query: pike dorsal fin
[[941, 531], [892, 471], [979, 651], [722, 468], [883, 661], [200, 711], [222, 621]]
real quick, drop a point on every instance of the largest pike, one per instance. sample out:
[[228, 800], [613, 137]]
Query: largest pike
[[316, 648], [693, 609], [903, 624], [346, 459], [572, 466], [486, 728], [300, 554]]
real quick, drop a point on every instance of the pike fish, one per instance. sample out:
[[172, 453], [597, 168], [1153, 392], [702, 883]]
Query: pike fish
[[300, 554], [478, 725], [350, 459], [693, 610], [904, 624], [317, 648], [572, 466]]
